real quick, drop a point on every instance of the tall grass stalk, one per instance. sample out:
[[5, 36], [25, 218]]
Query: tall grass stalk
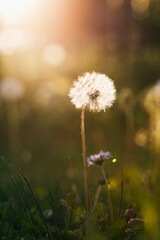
[[38, 206]]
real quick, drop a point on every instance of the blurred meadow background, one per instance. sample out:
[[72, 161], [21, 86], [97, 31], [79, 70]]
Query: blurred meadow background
[[44, 46]]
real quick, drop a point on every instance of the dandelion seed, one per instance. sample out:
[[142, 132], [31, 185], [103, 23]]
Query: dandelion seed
[[94, 90]]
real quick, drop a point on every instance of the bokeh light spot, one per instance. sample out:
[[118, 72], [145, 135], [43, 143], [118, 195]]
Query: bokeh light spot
[[140, 6], [54, 54]]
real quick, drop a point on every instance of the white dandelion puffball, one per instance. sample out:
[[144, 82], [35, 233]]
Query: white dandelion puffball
[[11, 89], [94, 90]]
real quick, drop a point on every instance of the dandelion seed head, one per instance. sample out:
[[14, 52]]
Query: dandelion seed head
[[94, 90]]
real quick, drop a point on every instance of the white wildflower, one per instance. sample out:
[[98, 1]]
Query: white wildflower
[[94, 90], [11, 89]]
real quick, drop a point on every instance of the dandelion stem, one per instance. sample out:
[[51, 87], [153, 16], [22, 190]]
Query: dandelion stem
[[109, 195], [85, 160]]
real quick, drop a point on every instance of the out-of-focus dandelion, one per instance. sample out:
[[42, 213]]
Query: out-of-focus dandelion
[[152, 105], [95, 91], [11, 89], [152, 99], [54, 54]]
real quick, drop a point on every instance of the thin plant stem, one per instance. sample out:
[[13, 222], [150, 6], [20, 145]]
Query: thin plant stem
[[109, 194], [122, 190], [36, 201], [97, 195], [85, 167], [129, 116]]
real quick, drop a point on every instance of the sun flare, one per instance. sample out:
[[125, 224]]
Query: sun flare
[[10, 10], [14, 6]]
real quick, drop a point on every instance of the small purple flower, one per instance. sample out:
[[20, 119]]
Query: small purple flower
[[98, 159]]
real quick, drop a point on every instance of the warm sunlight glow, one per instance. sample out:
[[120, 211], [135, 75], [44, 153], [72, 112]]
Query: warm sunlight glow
[[15, 40], [10, 10], [10, 7]]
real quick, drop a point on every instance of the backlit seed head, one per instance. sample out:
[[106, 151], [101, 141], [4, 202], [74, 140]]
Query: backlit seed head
[[94, 90]]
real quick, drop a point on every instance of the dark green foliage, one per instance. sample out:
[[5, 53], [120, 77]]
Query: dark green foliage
[[24, 215]]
